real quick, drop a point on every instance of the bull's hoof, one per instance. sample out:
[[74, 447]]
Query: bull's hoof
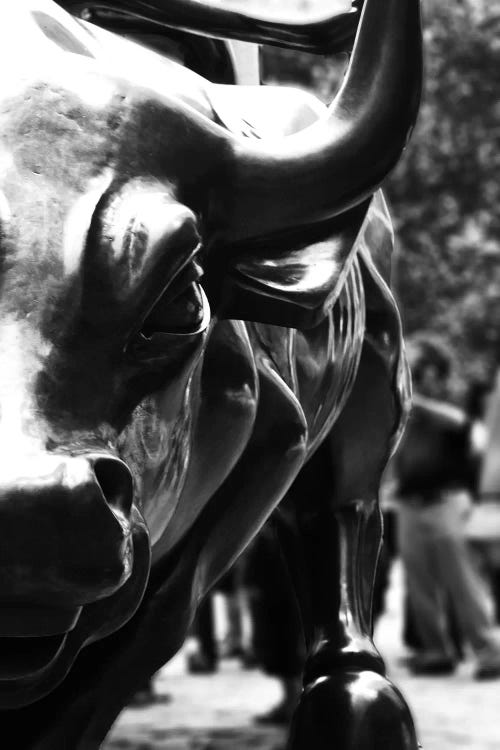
[[352, 711]]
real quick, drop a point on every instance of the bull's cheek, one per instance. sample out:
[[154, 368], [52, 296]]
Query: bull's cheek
[[164, 472], [157, 453], [157, 447]]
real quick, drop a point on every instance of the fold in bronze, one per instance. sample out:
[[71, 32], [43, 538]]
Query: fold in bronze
[[194, 301]]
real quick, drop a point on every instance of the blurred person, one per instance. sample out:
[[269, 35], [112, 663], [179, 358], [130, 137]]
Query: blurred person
[[389, 547], [278, 643], [436, 472], [207, 651], [483, 527], [204, 657]]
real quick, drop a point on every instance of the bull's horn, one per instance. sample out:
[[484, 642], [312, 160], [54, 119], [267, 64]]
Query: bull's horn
[[338, 162], [333, 34], [260, 187]]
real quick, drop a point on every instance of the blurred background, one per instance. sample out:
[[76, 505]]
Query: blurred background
[[444, 198]]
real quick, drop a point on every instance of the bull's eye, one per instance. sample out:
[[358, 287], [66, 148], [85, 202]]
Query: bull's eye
[[181, 313], [181, 308]]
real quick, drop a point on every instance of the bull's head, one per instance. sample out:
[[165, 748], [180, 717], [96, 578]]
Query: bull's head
[[112, 191]]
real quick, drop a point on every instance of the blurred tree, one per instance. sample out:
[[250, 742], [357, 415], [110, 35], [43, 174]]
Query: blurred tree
[[445, 193]]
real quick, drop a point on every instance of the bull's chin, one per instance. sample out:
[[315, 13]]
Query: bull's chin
[[32, 667]]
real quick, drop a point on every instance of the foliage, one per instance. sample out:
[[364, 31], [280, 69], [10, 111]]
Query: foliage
[[445, 192]]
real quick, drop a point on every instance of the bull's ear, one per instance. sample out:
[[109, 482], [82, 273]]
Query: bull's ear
[[292, 279], [295, 279]]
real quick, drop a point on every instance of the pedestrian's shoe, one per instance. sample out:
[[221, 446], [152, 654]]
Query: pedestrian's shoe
[[231, 651], [249, 660], [488, 665], [281, 715], [200, 663], [487, 672], [407, 659], [431, 665], [146, 697]]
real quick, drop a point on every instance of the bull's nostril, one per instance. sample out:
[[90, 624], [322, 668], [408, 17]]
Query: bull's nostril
[[115, 481]]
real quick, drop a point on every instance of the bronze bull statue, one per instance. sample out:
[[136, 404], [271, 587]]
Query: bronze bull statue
[[150, 422]]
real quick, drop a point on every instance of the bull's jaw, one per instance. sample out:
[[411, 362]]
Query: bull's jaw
[[96, 621]]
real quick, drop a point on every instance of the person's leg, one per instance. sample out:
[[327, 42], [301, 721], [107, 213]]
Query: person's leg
[[204, 660], [228, 586], [467, 590], [424, 589], [278, 636], [233, 645], [495, 585], [489, 555], [411, 638]]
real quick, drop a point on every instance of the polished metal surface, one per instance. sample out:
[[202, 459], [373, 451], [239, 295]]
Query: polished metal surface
[[189, 310], [332, 34]]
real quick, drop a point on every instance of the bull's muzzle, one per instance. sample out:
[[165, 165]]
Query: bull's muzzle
[[65, 540]]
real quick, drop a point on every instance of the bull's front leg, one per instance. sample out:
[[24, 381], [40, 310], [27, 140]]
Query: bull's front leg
[[348, 702]]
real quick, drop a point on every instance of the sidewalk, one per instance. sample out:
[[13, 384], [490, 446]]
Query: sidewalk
[[215, 713]]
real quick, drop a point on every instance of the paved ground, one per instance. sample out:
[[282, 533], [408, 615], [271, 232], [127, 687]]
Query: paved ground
[[215, 713]]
